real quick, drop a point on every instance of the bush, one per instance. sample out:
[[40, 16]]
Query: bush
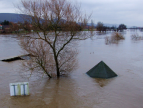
[[136, 37], [114, 38]]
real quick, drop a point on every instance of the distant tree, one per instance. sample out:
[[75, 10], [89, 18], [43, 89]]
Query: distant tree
[[114, 38], [5, 22], [113, 28], [26, 26], [92, 25], [122, 27], [104, 28], [14, 27], [99, 26]]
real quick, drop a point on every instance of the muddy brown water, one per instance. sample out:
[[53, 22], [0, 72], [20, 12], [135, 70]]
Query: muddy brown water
[[79, 90]]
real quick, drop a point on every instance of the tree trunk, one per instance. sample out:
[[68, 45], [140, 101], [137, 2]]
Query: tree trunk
[[57, 66], [56, 63]]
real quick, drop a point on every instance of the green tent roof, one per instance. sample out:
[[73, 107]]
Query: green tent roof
[[101, 70]]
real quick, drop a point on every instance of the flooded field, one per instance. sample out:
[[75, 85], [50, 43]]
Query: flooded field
[[78, 90]]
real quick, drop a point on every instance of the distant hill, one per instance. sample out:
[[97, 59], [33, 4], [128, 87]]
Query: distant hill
[[11, 17]]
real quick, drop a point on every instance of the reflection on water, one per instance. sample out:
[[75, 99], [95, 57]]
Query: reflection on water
[[103, 82], [79, 90], [9, 46]]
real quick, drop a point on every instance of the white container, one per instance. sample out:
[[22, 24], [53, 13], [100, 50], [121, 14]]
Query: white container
[[19, 89]]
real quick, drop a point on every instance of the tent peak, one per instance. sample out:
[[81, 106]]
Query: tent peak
[[101, 70]]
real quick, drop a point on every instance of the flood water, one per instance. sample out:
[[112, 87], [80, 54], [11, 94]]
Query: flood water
[[79, 90]]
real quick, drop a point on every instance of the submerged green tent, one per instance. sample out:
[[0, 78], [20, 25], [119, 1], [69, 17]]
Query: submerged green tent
[[101, 70]]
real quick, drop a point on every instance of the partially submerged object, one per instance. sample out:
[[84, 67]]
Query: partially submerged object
[[12, 59], [19, 89], [22, 57], [101, 70]]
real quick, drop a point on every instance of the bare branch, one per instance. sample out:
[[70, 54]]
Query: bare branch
[[56, 23]]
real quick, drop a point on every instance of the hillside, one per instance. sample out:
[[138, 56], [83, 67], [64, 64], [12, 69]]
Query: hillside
[[12, 17]]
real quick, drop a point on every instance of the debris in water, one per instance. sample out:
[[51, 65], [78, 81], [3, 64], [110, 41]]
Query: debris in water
[[22, 57]]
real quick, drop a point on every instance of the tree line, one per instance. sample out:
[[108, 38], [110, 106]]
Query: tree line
[[5, 22], [11, 27], [101, 28]]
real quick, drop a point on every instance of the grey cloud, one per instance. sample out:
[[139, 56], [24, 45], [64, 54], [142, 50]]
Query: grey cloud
[[129, 12]]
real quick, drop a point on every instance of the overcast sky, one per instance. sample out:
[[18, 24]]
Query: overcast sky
[[128, 12]]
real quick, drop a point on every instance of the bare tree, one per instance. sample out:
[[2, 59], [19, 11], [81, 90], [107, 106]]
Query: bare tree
[[122, 27], [56, 25], [114, 38], [14, 27], [99, 26], [42, 59]]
